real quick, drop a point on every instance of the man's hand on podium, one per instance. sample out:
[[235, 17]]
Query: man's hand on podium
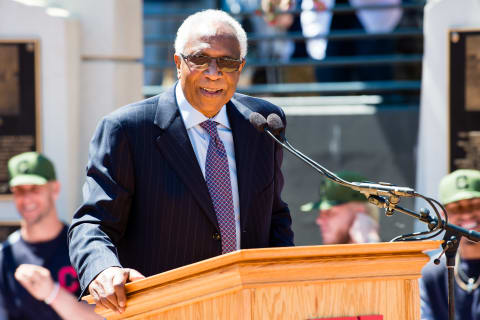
[[108, 288]]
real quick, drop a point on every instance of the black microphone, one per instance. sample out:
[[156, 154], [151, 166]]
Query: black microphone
[[258, 121], [272, 124], [275, 124]]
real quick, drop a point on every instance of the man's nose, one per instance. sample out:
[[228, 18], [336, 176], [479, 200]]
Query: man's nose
[[213, 69]]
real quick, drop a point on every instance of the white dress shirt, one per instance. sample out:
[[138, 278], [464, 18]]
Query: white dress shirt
[[199, 138]]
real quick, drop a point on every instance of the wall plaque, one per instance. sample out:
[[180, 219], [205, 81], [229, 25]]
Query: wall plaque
[[464, 100], [19, 107]]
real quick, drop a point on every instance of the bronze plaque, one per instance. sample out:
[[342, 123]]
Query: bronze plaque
[[19, 111], [464, 103]]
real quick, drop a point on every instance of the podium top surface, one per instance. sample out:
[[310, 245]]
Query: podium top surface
[[282, 255]]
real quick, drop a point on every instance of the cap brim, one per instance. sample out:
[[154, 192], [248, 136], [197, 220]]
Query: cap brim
[[307, 207], [25, 179], [319, 205], [462, 196]]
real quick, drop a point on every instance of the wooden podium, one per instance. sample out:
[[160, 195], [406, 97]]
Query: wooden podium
[[287, 283]]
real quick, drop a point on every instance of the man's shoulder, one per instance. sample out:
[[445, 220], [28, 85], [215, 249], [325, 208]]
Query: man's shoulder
[[259, 105], [12, 240]]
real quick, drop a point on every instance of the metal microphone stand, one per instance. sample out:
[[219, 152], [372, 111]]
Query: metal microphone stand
[[450, 247]]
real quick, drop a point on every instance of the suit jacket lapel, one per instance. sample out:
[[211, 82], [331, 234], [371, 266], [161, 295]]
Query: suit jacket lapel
[[176, 147], [245, 146]]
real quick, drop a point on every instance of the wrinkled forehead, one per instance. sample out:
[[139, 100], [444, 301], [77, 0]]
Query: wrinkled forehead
[[209, 34]]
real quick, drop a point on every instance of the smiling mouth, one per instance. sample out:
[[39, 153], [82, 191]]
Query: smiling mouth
[[211, 91], [29, 208], [470, 225]]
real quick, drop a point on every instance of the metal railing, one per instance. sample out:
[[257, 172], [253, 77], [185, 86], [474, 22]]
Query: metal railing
[[394, 85]]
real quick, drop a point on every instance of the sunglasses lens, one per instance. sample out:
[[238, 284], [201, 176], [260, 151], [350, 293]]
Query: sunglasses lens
[[228, 65], [200, 61]]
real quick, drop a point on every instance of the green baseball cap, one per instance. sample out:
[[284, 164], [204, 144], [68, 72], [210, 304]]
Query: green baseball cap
[[30, 168], [459, 185], [333, 194]]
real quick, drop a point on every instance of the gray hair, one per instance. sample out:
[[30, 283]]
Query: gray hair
[[206, 18]]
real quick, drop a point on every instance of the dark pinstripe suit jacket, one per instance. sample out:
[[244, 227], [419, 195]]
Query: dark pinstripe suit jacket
[[146, 204]]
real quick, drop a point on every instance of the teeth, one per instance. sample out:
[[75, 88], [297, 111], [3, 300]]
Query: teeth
[[469, 225], [210, 90], [30, 207]]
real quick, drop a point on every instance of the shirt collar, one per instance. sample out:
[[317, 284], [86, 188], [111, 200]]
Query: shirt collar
[[192, 117]]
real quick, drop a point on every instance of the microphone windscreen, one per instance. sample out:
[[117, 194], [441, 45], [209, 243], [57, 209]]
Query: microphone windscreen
[[258, 121], [275, 124]]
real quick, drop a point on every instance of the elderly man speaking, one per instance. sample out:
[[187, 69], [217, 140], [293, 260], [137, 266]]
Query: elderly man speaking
[[182, 176]]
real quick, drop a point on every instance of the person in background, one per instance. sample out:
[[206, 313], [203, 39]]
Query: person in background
[[36, 278], [318, 19], [344, 215], [459, 192]]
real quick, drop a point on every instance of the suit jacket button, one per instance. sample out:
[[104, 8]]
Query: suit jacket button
[[216, 236]]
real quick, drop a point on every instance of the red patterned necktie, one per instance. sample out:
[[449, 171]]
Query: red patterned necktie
[[217, 176]]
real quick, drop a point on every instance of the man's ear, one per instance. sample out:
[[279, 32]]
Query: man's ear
[[178, 64], [55, 188], [242, 65]]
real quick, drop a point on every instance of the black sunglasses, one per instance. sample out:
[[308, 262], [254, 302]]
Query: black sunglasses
[[224, 64]]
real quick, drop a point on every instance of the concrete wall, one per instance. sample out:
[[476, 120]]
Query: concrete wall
[[111, 74]]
